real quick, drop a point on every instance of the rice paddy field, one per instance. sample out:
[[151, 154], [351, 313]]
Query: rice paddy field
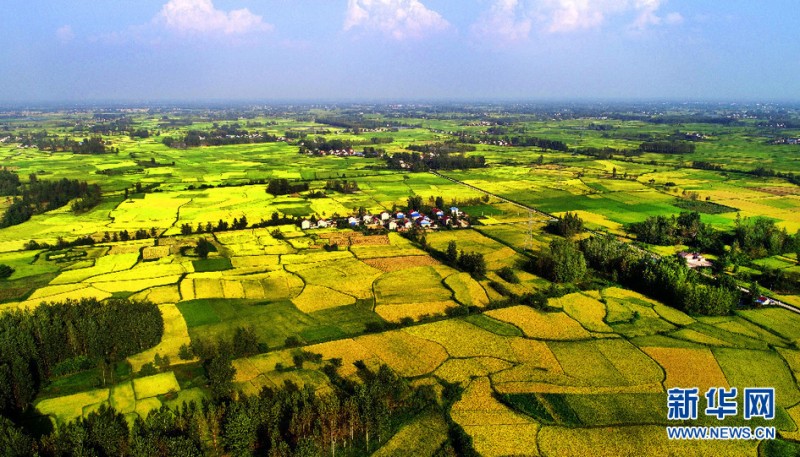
[[588, 375]]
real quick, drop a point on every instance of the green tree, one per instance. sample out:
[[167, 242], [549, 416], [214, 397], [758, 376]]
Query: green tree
[[563, 262], [202, 248], [452, 252], [5, 271]]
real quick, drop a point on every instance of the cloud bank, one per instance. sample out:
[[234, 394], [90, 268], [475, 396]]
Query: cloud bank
[[200, 16], [398, 19]]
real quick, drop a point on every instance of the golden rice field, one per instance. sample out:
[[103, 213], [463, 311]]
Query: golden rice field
[[316, 298], [496, 430], [424, 435], [686, 367], [175, 335], [541, 325]]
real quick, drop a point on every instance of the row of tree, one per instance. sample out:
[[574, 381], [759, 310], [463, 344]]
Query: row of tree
[[413, 161], [38, 196], [354, 418]]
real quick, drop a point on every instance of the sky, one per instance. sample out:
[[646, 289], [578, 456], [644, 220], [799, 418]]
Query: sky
[[399, 50]]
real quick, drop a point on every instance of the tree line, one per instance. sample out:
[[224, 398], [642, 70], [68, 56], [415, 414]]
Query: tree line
[[37, 197], [60, 338], [420, 162], [354, 418]]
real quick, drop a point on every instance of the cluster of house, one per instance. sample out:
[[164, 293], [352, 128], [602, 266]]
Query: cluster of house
[[350, 152], [398, 221], [787, 141]]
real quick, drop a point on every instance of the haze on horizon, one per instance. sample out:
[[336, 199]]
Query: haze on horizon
[[171, 50]]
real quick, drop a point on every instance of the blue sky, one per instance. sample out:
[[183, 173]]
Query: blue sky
[[150, 50]]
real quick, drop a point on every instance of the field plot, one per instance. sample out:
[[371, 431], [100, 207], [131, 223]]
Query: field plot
[[423, 436], [496, 430], [466, 290], [175, 335], [589, 312], [541, 325], [348, 276], [688, 367]]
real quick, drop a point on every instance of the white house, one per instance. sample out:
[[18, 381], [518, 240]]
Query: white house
[[385, 216], [322, 223], [367, 218], [409, 224], [392, 225], [353, 221], [305, 225]]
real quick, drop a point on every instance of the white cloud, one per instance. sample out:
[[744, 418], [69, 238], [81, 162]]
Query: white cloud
[[399, 19], [505, 22], [200, 16], [65, 34], [573, 15], [673, 18]]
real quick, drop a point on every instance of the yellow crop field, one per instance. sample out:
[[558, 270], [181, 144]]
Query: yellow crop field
[[143, 407], [536, 354], [175, 335], [253, 290], [136, 285], [232, 289], [207, 288], [633, 440], [155, 252], [541, 325], [422, 436], [466, 290], [163, 294], [496, 430], [389, 264], [315, 256], [698, 337], [794, 413], [349, 351], [463, 370], [186, 288], [123, 398], [586, 310], [142, 271], [615, 362], [316, 298], [249, 368], [406, 354], [157, 384], [102, 265], [254, 261], [413, 285], [70, 407], [673, 315], [78, 292], [395, 312], [688, 367], [461, 339], [349, 276]]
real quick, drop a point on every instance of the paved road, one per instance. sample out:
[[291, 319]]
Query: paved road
[[773, 301]]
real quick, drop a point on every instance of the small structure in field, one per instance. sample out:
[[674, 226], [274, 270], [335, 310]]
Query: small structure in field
[[695, 260]]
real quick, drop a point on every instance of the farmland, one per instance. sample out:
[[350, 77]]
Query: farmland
[[315, 289]]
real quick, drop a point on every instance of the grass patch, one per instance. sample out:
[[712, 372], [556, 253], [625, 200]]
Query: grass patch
[[216, 264]]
